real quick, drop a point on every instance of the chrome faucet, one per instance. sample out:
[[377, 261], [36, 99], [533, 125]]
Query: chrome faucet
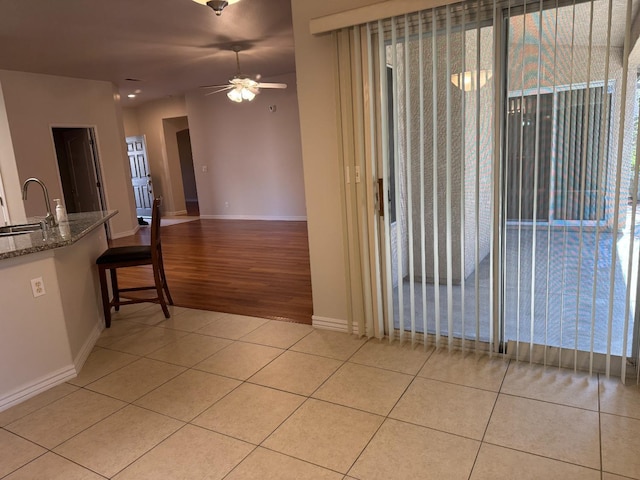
[[49, 220]]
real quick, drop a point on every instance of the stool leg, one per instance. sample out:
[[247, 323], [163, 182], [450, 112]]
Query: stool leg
[[163, 277], [106, 305], [157, 279], [114, 287]]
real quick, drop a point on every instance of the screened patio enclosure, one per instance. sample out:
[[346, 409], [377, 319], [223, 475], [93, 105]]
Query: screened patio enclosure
[[497, 142], [553, 132]]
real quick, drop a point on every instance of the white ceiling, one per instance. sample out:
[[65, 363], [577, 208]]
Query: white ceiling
[[171, 46]]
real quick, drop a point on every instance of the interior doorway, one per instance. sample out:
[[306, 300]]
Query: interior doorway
[[188, 174], [79, 169]]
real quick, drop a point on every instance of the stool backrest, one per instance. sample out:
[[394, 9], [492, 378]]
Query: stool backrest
[[155, 228]]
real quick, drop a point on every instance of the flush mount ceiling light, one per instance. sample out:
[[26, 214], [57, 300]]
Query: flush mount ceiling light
[[471, 80], [216, 5]]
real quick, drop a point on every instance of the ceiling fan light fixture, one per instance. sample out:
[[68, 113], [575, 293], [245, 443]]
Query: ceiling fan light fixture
[[241, 88], [247, 94], [235, 95]]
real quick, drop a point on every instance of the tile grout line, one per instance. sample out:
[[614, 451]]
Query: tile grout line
[[308, 397], [304, 401], [486, 428], [600, 429], [255, 447], [30, 461], [39, 408], [57, 455], [386, 417], [126, 404], [106, 374], [131, 403], [541, 456], [247, 382], [147, 451]]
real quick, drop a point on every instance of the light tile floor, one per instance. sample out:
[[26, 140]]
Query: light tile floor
[[211, 395]]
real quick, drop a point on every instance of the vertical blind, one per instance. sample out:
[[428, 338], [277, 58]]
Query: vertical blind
[[490, 179]]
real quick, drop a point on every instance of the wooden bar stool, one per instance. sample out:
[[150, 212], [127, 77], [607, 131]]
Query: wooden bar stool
[[133, 256]]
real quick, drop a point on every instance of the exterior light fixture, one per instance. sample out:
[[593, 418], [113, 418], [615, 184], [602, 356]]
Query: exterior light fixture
[[471, 80]]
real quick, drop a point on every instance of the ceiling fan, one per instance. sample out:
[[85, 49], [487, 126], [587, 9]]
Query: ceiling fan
[[242, 87]]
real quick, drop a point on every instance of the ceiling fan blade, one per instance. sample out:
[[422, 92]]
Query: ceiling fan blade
[[216, 86], [228, 87], [271, 85]]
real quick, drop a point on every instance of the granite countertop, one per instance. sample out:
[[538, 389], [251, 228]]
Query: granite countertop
[[79, 225]]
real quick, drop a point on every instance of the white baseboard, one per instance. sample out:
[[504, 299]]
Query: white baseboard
[[179, 212], [335, 324], [87, 347], [127, 233], [38, 386], [54, 378], [254, 217], [329, 323]]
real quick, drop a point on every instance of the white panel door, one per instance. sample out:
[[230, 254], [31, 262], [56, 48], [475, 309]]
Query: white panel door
[[140, 175]]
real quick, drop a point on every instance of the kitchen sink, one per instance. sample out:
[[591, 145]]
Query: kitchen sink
[[19, 229]]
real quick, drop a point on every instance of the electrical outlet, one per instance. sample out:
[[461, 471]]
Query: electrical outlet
[[37, 287]]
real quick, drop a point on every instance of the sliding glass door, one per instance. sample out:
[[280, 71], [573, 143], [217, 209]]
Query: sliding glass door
[[438, 172], [490, 178], [568, 235]]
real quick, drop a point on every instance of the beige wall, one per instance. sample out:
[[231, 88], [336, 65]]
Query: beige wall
[[148, 120], [317, 104], [34, 104], [130, 121], [31, 349], [171, 126], [252, 156]]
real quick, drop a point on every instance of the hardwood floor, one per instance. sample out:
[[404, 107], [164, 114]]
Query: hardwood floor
[[257, 268]]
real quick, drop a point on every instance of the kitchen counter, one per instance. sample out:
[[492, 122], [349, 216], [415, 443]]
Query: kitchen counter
[[51, 305], [80, 224]]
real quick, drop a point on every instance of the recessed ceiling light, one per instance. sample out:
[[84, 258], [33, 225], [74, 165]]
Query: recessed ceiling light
[[132, 95]]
